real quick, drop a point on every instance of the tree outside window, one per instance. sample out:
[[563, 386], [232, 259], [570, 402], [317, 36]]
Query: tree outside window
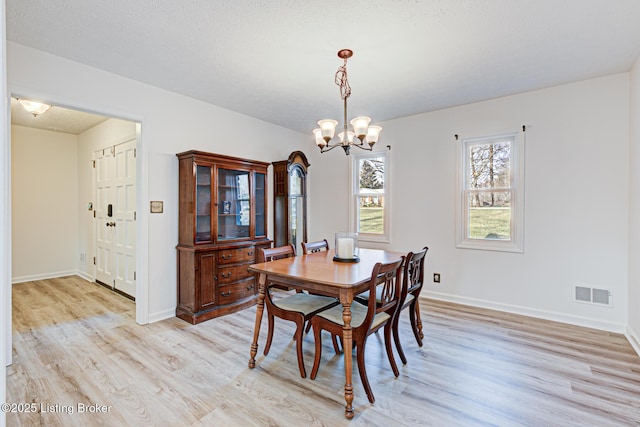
[[489, 190]]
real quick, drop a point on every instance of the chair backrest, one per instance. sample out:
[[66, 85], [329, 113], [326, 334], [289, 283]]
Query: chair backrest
[[413, 276], [269, 254], [389, 278], [312, 247]]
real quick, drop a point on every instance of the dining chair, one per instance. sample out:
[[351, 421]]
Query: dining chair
[[313, 247], [298, 307], [365, 319], [412, 280]]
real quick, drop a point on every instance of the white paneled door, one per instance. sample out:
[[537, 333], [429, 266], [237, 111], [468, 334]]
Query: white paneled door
[[115, 217]]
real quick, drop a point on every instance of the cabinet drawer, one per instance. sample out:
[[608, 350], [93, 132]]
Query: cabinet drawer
[[228, 294], [232, 256], [231, 274]]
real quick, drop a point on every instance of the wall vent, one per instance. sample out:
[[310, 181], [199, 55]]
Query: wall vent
[[588, 295]]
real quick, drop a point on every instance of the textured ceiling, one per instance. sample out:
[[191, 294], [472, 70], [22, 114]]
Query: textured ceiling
[[275, 59], [55, 119]]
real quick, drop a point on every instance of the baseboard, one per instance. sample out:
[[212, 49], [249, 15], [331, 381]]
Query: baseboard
[[44, 276], [85, 276], [633, 339], [531, 312], [162, 315]]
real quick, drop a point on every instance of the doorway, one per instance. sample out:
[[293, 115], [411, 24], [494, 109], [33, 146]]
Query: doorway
[[118, 140]]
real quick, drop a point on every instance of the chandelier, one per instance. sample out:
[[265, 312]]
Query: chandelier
[[361, 128]]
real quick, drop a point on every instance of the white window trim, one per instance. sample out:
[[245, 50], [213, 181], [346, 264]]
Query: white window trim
[[516, 244], [353, 205]]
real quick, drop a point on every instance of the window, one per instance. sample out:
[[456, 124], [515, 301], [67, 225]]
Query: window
[[371, 196], [490, 213]]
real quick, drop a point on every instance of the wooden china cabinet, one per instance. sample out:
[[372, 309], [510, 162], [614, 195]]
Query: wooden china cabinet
[[222, 224], [290, 201]]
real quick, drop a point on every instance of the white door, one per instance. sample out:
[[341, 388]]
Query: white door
[[125, 218], [105, 231], [115, 217]]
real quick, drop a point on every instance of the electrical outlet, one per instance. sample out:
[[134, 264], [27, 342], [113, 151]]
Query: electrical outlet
[[436, 277], [83, 258]]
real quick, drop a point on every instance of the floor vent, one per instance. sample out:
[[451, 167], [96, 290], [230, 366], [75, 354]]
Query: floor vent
[[589, 295]]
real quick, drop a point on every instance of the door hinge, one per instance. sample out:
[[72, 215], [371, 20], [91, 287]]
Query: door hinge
[[94, 164], [134, 215], [135, 152], [94, 260], [134, 275], [94, 214]]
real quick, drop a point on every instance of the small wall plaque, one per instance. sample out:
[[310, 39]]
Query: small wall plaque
[[156, 206]]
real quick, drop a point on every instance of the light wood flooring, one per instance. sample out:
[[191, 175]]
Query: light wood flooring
[[77, 343]]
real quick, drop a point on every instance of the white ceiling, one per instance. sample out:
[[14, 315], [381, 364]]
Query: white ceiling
[[55, 119], [275, 59]]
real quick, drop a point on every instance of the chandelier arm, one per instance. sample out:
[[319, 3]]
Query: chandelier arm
[[362, 147], [329, 147]]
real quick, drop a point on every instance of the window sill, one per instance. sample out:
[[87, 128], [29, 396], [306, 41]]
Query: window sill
[[491, 245]]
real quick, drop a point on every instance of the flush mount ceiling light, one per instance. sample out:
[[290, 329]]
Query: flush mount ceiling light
[[34, 107], [361, 128]]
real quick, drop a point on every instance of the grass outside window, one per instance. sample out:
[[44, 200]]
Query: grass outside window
[[490, 223]]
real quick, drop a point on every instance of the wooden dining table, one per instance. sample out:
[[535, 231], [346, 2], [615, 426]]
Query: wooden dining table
[[320, 274]]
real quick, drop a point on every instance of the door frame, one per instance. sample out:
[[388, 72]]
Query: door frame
[[142, 194]]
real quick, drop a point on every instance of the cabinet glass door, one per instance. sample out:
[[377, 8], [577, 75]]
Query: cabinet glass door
[[261, 214], [234, 204], [203, 204]]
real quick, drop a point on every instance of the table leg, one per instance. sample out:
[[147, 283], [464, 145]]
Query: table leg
[[347, 347], [259, 310]]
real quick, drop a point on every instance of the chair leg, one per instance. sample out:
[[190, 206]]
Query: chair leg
[[416, 323], [269, 333], [298, 335], [316, 359], [334, 340], [363, 372], [387, 343], [396, 339], [308, 327], [419, 322]]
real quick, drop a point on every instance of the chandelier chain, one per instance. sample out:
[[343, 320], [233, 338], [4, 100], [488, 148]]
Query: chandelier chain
[[342, 81]]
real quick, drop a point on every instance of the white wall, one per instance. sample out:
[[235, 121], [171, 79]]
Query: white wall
[[5, 219], [576, 207], [44, 196], [170, 123], [105, 134], [633, 331]]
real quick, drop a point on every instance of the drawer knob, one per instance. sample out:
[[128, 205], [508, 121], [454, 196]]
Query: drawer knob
[[227, 256], [250, 253], [226, 293], [249, 287], [226, 276]]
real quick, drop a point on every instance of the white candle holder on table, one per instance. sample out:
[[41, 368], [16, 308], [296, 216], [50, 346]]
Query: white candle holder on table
[[346, 247]]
